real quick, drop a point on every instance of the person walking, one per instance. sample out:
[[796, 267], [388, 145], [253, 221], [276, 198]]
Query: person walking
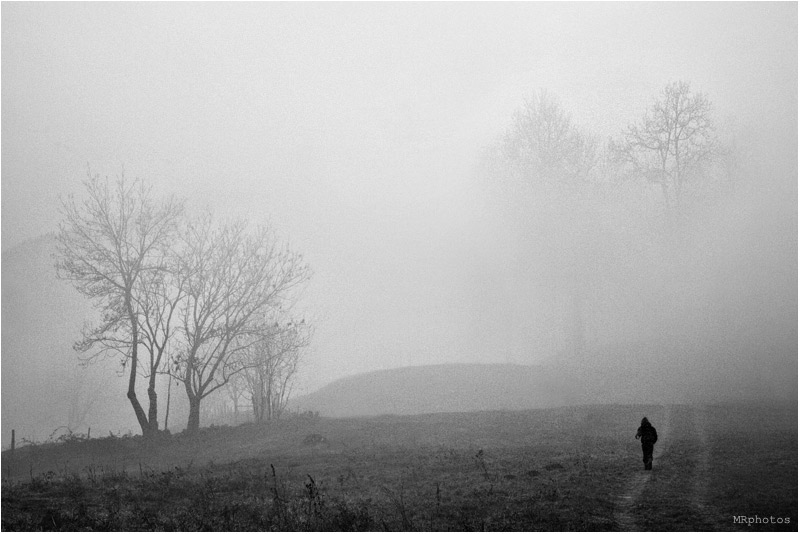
[[649, 437]]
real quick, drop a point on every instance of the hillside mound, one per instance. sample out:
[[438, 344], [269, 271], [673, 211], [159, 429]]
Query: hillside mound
[[440, 388]]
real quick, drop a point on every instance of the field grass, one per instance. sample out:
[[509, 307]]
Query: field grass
[[556, 469]]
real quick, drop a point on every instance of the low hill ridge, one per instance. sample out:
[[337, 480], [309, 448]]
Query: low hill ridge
[[437, 388]]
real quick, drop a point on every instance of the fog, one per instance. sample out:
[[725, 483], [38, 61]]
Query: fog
[[363, 133]]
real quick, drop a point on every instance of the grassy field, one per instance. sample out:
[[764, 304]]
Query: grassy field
[[559, 469]]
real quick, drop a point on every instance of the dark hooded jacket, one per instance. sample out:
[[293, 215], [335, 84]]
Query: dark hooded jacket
[[647, 432]]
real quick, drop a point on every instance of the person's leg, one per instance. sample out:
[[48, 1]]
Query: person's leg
[[648, 456]]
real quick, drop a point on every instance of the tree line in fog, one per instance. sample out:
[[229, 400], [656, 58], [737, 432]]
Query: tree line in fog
[[585, 210], [207, 302]]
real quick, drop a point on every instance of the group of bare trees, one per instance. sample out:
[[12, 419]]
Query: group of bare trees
[[557, 176], [671, 145], [205, 302], [272, 361]]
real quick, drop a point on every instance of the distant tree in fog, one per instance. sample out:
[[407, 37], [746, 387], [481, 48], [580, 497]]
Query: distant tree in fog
[[553, 161], [271, 366], [81, 399], [235, 388], [543, 145], [233, 280], [111, 247], [669, 145]]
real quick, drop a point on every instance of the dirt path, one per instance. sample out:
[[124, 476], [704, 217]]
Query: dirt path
[[698, 484], [623, 515], [702, 469]]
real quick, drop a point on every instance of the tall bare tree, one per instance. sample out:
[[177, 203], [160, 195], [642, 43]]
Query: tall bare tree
[[671, 142], [160, 293], [108, 245], [551, 161], [233, 279]]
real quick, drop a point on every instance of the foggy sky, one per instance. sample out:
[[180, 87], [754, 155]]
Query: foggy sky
[[355, 128]]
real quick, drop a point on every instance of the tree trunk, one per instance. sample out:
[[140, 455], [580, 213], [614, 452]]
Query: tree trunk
[[169, 396], [578, 334], [665, 192], [141, 417], [153, 398], [193, 424], [256, 404], [665, 184], [268, 400], [260, 400]]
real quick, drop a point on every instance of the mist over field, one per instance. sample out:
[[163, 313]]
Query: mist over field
[[453, 266]]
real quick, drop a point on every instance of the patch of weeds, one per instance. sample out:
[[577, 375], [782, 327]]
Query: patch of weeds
[[42, 481], [399, 502]]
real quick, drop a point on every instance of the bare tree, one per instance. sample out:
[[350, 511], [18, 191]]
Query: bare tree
[[236, 390], [671, 142], [108, 245], [551, 162], [543, 144], [160, 294], [232, 280], [272, 363]]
